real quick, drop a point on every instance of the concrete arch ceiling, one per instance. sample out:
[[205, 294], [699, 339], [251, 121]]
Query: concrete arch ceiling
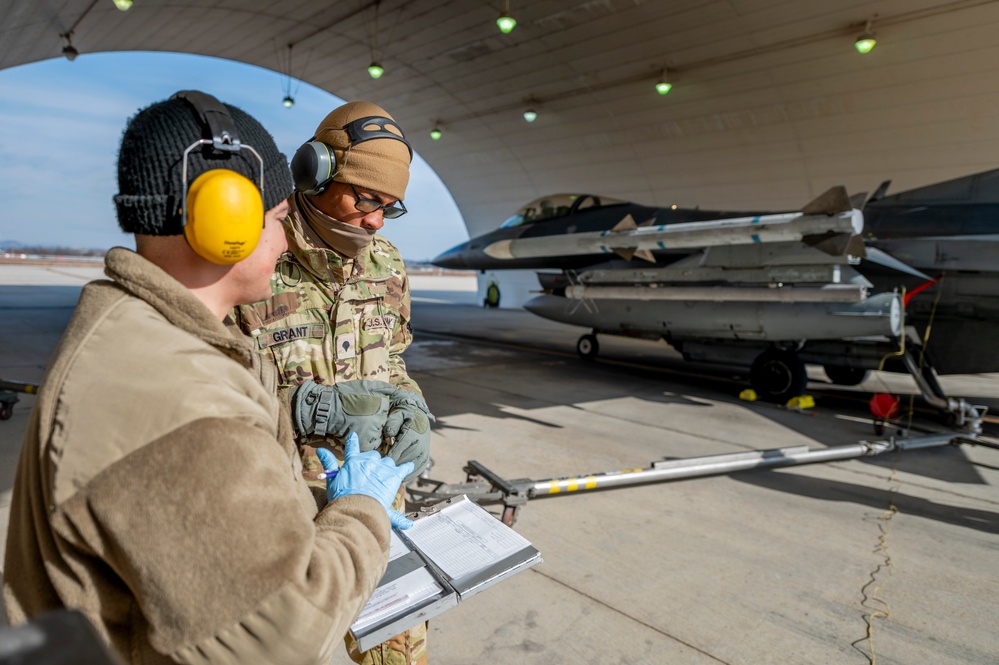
[[770, 106]]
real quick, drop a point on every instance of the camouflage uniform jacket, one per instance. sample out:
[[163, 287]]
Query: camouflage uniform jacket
[[334, 319]]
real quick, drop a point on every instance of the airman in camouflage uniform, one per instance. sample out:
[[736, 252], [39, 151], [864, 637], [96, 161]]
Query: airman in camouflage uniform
[[340, 307], [333, 319]]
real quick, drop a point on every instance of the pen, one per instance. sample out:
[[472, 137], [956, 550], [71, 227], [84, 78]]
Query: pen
[[320, 475]]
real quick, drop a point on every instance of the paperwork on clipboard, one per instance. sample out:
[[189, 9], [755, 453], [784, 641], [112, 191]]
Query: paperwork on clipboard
[[453, 550]]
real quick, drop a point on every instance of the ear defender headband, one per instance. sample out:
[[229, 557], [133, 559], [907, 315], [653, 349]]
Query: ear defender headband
[[315, 165], [223, 211]]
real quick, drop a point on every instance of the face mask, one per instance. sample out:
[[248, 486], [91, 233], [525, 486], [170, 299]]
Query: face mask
[[341, 237]]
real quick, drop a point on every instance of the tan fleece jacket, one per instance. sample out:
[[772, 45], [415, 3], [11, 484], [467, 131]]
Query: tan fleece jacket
[[159, 492]]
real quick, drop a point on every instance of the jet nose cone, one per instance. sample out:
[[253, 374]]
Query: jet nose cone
[[455, 258]]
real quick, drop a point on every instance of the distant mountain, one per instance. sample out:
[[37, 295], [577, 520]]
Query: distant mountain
[[47, 250]]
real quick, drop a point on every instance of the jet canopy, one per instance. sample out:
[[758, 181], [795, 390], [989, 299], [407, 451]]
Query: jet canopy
[[554, 206]]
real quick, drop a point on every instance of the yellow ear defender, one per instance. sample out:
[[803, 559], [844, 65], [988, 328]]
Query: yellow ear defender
[[224, 216], [223, 211]]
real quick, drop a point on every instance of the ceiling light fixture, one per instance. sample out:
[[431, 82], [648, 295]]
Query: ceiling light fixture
[[290, 85], [436, 132], [375, 69], [123, 5], [663, 85], [530, 115], [288, 100], [866, 41], [506, 22], [69, 50]]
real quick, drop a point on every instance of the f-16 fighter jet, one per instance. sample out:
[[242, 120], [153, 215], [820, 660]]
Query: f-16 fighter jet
[[840, 283]]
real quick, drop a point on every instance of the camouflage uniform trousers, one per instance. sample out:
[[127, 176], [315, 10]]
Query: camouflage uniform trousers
[[408, 648]]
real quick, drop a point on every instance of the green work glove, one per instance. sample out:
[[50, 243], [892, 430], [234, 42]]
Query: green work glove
[[337, 410], [407, 428]]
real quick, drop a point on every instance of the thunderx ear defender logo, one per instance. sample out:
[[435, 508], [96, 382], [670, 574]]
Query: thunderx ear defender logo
[[345, 346]]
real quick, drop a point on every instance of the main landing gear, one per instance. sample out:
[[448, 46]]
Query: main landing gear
[[587, 346], [777, 375]]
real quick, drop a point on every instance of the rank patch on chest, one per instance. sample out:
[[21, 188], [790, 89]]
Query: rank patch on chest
[[378, 323], [345, 346], [283, 335]]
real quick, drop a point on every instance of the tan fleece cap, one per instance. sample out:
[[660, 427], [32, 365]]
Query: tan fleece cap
[[378, 165]]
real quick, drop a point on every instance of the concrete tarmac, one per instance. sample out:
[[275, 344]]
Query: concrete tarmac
[[813, 564]]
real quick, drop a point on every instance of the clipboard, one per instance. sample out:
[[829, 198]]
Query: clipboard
[[454, 550]]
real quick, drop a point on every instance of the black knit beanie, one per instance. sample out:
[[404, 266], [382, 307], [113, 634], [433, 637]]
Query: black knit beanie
[[150, 165]]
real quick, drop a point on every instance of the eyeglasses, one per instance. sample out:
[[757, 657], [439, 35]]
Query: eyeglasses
[[366, 205]]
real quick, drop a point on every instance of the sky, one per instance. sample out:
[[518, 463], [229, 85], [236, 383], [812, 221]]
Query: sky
[[61, 124]]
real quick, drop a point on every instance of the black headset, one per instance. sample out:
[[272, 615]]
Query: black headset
[[314, 164], [223, 211]]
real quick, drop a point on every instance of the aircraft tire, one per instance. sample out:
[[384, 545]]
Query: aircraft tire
[[6, 411], [588, 347], [845, 376], [778, 375]]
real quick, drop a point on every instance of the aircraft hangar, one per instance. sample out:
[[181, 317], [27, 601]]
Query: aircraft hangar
[[771, 104]]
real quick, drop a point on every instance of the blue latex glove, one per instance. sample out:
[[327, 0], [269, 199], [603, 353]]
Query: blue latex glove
[[366, 473]]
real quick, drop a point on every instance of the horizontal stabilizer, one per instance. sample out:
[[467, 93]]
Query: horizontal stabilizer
[[832, 201], [626, 224], [875, 255]]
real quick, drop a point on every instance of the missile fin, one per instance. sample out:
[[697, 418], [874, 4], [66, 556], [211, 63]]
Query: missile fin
[[880, 192], [856, 247], [883, 258], [645, 254], [830, 202], [625, 252], [857, 200], [649, 222], [833, 244], [626, 224]]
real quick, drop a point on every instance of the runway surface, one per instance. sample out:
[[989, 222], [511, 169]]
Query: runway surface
[[814, 564]]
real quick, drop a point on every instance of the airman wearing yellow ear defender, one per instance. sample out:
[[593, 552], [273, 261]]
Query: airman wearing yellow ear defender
[[159, 490], [337, 322]]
